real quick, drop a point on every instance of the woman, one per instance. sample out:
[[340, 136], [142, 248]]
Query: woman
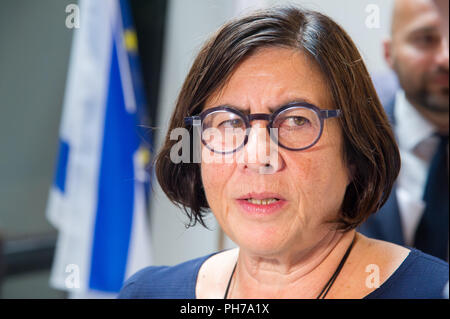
[[293, 79]]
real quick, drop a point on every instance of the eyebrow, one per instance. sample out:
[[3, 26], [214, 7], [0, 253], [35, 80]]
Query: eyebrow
[[427, 29], [271, 109]]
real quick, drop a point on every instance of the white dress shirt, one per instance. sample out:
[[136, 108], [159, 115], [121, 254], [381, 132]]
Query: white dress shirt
[[417, 144]]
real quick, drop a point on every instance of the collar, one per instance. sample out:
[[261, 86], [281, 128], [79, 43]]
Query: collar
[[411, 127]]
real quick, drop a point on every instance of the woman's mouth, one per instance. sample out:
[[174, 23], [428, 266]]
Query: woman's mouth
[[261, 204], [265, 201]]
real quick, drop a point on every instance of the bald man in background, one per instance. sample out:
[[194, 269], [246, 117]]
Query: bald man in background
[[416, 213]]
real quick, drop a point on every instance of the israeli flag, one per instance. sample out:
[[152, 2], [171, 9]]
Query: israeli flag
[[98, 201]]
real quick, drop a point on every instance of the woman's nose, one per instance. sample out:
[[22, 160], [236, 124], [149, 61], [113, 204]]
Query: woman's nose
[[260, 154]]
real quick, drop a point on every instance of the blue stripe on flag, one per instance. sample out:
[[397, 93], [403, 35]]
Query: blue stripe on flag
[[127, 20], [61, 168], [116, 190]]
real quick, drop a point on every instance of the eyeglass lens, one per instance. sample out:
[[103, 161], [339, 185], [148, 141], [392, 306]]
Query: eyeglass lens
[[295, 128]]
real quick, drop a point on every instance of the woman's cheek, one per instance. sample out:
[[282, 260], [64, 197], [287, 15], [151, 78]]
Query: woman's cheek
[[215, 178]]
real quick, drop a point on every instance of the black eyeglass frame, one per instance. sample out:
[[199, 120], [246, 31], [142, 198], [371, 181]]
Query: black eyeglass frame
[[322, 114]]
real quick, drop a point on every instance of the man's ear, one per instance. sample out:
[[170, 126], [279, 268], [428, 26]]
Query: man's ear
[[388, 54]]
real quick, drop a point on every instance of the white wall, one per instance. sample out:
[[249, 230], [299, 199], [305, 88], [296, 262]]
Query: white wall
[[189, 24]]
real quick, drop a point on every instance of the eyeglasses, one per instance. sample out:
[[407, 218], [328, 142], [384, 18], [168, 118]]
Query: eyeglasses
[[298, 126]]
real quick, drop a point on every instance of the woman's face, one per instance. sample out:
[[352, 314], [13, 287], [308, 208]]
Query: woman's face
[[309, 185]]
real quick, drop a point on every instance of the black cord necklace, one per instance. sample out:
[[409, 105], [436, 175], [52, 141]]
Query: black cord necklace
[[327, 286]]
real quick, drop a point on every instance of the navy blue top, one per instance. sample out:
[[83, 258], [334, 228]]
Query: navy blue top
[[419, 276]]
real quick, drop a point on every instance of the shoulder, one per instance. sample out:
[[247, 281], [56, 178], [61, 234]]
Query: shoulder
[[388, 271], [215, 273], [427, 272], [166, 282], [370, 264], [419, 276]]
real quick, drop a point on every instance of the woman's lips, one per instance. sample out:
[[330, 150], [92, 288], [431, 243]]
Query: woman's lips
[[262, 195], [261, 204]]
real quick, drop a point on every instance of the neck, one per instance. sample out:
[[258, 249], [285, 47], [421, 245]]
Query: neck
[[300, 274]]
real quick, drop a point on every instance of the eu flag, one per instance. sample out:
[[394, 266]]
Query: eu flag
[[98, 201]]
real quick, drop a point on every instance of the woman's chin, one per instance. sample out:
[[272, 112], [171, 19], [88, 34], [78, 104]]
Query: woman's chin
[[261, 241]]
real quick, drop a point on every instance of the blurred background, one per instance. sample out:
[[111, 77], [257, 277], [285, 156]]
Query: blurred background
[[34, 60]]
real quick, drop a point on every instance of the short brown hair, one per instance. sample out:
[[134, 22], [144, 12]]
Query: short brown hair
[[369, 146]]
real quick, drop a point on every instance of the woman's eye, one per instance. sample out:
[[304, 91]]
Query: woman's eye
[[235, 123], [295, 121]]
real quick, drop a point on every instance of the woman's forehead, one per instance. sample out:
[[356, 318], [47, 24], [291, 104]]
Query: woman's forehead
[[273, 77]]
